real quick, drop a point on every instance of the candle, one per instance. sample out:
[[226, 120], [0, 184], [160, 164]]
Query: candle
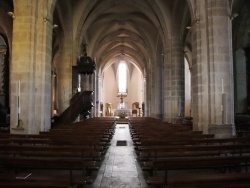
[[19, 88], [17, 110], [19, 96], [179, 106], [222, 86]]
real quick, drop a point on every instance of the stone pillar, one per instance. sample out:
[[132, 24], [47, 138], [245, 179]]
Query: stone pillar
[[174, 90], [31, 67], [85, 82], [212, 70], [159, 84], [99, 95], [241, 82], [91, 82], [4, 81], [177, 80], [91, 88], [144, 97], [65, 70], [156, 88], [153, 89], [148, 90], [4, 69], [96, 100], [167, 84]]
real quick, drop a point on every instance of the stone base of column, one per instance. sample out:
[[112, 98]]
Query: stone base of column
[[222, 131]]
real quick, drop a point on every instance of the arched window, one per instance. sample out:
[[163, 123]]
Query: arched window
[[122, 77]]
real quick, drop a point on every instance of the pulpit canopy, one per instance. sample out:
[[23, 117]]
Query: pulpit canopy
[[85, 65]]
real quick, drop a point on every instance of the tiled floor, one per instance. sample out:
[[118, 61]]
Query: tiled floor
[[120, 168]]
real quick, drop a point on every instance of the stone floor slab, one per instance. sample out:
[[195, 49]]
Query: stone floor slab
[[120, 168]]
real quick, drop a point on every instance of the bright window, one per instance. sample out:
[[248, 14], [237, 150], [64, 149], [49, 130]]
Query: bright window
[[122, 77], [187, 89]]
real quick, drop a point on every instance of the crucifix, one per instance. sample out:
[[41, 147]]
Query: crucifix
[[122, 96]]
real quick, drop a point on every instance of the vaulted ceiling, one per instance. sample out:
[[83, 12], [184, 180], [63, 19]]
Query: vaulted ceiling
[[131, 30]]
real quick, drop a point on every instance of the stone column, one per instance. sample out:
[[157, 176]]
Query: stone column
[[31, 67], [212, 70], [159, 84], [65, 70], [4, 69], [153, 89], [167, 84], [177, 84], [96, 100], [148, 90], [99, 95], [91, 88], [156, 88], [175, 73], [4, 80], [144, 97], [85, 82], [241, 82]]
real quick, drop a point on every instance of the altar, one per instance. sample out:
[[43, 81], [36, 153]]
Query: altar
[[128, 112], [122, 111]]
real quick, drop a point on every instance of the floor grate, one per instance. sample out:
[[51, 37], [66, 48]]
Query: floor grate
[[121, 143]]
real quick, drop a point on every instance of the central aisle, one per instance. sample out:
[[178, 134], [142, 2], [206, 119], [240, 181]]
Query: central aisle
[[120, 168]]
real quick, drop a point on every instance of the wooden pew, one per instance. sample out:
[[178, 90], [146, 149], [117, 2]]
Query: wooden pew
[[49, 181], [183, 141], [85, 153], [60, 140], [182, 152], [182, 164], [20, 163], [237, 179], [153, 153], [66, 148], [48, 163], [167, 141]]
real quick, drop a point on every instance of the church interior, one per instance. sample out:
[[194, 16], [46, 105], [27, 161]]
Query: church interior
[[124, 93]]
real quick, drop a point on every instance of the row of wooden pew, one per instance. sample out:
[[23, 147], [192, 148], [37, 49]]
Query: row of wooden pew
[[177, 156], [66, 156]]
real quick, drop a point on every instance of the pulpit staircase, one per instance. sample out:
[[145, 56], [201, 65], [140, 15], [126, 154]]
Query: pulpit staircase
[[80, 104]]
